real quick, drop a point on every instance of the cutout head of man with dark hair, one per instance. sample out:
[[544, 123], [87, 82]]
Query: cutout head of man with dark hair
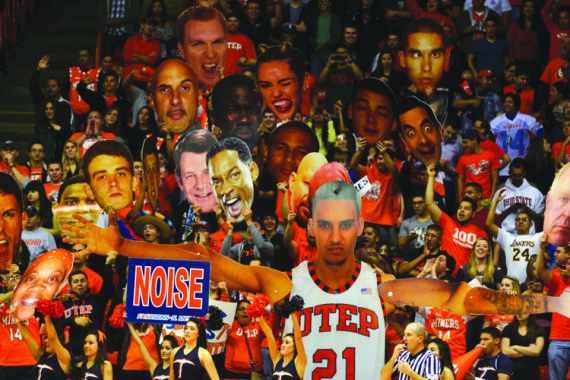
[[423, 56], [372, 110], [232, 172], [75, 197], [108, 168], [150, 170], [420, 130], [237, 108], [13, 220], [192, 171], [287, 146], [175, 95], [201, 31]]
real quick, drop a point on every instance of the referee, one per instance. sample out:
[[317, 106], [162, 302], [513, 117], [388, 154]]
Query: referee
[[411, 360]]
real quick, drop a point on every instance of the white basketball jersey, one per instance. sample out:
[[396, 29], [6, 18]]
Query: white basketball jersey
[[343, 329]]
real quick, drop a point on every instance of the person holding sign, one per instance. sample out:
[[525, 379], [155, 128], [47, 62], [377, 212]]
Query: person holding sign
[[192, 360]]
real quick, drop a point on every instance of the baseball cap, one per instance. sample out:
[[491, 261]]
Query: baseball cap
[[485, 73], [31, 211], [202, 224], [9, 143], [470, 134], [149, 21]]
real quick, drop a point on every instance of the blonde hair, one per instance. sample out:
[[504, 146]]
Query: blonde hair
[[489, 271], [66, 162]]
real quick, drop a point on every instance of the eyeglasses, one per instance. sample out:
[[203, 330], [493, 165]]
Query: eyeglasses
[[15, 278], [521, 220]]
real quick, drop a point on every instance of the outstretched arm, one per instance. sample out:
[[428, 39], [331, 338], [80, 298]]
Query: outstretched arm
[[461, 299], [270, 282]]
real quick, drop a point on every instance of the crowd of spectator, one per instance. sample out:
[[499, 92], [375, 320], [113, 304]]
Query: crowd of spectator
[[454, 117]]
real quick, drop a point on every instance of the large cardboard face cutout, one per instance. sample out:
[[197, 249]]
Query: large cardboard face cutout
[[236, 107], [76, 198], [175, 95], [420, 130], [43, 280], [280, 75], [14, 220], [192, 171], [151, 170], [109, 166], [372, 110], [232, 172], [557, 212], [288, 145]]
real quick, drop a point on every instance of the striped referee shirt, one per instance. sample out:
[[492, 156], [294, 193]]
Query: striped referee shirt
[[424, 363]]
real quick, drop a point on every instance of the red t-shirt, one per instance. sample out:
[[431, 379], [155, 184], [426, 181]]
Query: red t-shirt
[[239, 46], [52, 191], [556, 148], [378, 202], [14, 351], [492, 147], [458, 239], [478, 168], [304, 251], [4, 168], [237, 355], [90, 141], [449, 327], [560, 324]]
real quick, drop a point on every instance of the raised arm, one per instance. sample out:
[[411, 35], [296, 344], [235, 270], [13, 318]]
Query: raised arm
[[434, 211], [148, 360], [542, 272], [490, 222], [301, 359], [33, 346], [392, 168], [271, 344], [63, 355], [355, 161]]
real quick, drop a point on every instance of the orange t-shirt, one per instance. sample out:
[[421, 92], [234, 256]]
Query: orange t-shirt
[[134, 360], [14, 351]]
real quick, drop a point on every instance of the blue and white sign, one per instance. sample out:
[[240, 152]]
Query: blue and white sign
[[167, 291]]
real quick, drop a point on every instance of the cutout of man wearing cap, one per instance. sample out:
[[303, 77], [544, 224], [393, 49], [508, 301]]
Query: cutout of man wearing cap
[[484, 104]]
